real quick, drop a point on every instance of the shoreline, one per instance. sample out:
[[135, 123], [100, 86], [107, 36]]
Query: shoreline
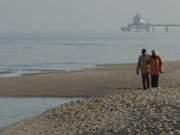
[[49, 71], [92, 82], [112, 86], [21, 73]]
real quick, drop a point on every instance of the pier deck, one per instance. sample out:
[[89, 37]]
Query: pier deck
[[149, 27]]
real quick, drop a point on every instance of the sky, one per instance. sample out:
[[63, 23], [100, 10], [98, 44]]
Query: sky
[[82, 15]]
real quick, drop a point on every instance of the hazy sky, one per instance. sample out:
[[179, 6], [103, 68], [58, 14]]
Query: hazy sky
[[50, 15]]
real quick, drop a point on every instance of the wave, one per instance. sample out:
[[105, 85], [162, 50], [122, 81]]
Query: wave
[[84, 44], [18, 73], [21, 70]]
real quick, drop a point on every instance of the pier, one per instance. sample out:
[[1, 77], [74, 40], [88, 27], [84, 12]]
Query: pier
[[139, 25]]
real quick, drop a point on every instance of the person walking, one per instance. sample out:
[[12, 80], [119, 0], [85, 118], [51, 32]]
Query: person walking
[[156, 65], [143, 65]]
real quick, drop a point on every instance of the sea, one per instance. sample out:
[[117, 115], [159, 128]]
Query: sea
[[24, 53]]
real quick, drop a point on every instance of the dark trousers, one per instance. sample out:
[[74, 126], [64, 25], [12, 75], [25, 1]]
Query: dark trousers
[[145, 81], [154, 81]]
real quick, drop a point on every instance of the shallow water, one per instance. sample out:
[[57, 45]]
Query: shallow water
[[13, 110]]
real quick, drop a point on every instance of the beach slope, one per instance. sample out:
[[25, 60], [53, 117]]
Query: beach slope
[[152, 112]]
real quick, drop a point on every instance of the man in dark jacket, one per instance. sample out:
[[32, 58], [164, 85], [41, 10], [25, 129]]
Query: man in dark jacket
[[143, 65]]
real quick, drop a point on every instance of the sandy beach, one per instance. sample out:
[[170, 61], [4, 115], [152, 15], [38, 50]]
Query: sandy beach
[[103, 80], [118, 105]]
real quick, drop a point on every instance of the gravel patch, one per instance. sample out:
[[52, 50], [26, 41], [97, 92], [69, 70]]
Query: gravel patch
[[150, 112]]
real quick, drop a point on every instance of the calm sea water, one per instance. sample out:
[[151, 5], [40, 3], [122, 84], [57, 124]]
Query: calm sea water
[[13, 110], [24, 53]]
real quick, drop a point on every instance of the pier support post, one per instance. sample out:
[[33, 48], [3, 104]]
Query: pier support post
[[153, 29], [129, 27], [166, 29], [147, 28]]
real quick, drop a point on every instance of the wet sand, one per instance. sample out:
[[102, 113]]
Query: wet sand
[[104, 80]]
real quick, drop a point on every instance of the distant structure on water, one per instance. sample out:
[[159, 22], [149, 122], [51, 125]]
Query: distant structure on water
[[138, 25]]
